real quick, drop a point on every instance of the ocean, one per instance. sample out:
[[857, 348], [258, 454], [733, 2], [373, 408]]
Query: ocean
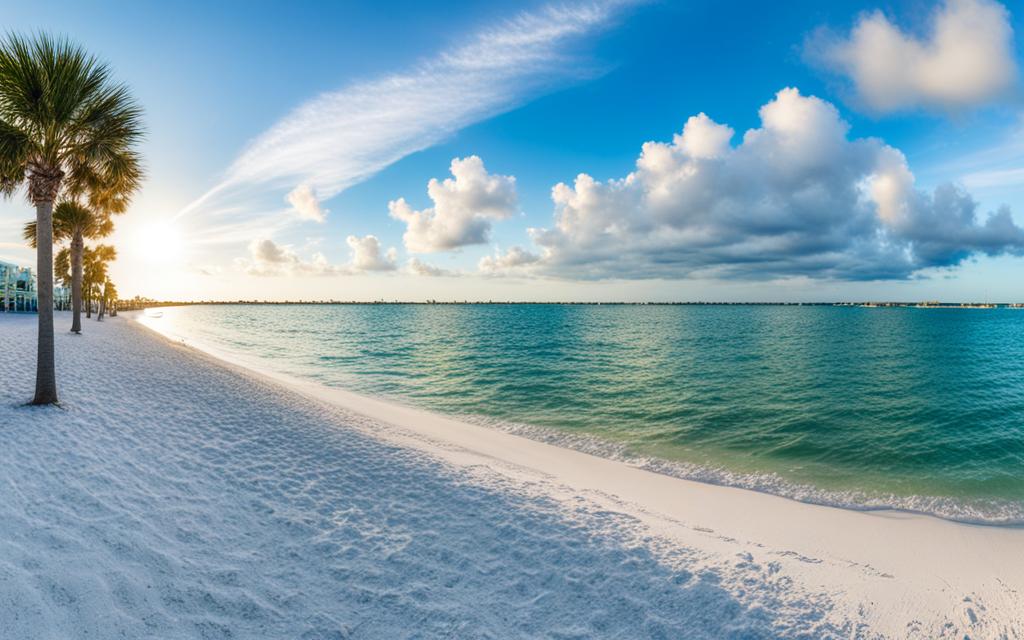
[[867, 408]]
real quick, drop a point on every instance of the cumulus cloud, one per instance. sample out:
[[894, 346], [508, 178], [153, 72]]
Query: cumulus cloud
[[268, 252], [464, 207], [417, 267], [965, 59], [368, 256], [304, 201], [702, 137], [795, 198], [267, 258], [510, 261]]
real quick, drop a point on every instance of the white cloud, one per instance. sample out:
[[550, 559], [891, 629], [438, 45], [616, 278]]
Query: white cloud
[[464, 207], [267, 258], [512, 259], [267, 252], [304, 201], [966, 59], [417, 267], [368, 256], [796, 198], [343, 137], [702, 137]]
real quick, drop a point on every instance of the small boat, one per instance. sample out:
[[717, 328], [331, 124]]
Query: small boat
[[154, 313]]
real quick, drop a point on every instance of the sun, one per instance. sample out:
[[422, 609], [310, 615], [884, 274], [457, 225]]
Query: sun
[[160, 243]]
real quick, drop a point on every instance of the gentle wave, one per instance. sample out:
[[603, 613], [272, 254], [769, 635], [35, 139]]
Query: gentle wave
[[855, 408], [980, 512]]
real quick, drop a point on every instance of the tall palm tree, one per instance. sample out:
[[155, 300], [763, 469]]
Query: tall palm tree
[[65, 127], [75, 222]]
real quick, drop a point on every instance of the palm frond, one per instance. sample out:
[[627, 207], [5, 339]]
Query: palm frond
[[71, 218], [62, 266], [64, 124], [29, 233], [15, 150]]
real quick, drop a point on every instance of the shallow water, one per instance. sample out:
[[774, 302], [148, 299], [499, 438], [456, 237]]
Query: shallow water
[[920, 409]]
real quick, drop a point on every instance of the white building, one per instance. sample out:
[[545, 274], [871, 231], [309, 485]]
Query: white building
[[18, 290]]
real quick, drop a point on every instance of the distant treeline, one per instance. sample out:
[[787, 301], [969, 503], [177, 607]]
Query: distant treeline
[[138, 303]]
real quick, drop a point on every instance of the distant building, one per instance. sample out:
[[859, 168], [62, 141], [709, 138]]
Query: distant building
[[18, 290]]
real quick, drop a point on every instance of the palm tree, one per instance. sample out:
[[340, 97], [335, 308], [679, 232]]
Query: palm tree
[[75, 222], [65, 127], [94, 273], [110, 290]]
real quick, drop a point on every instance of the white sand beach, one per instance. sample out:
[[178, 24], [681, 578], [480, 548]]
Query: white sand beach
[[183, 494]]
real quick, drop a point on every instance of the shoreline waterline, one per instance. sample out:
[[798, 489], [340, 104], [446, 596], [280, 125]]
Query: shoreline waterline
[[1009, 514], [979, 511], [178, 495], [860, 557]]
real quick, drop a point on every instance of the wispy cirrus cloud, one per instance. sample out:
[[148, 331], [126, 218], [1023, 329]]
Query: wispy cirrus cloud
[[343, 137], [991, 167], [994, 178]]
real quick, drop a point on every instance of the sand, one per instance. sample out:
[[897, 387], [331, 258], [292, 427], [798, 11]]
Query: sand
[[182, 494]]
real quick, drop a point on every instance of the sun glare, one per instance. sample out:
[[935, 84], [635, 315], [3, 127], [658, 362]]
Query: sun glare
[[160, 243]]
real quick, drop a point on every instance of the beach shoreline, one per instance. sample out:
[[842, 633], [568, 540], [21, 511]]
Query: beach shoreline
[[183, 493], [904, 574], [872, 420]]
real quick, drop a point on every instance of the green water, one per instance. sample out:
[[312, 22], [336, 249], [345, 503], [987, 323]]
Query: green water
[[920, 409]]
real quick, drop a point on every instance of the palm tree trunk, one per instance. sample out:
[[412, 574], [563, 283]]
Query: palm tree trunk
[[77, 244], [46, 375], [103, 301], [88, 300]]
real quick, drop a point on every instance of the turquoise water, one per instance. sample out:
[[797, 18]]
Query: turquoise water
[[919, 409]]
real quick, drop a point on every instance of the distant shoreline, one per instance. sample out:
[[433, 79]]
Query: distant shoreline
[[129, 305], [132, 305]]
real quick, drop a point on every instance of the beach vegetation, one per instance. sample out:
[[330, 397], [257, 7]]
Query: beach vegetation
[[94, 275], [75, 223], [66, 129]]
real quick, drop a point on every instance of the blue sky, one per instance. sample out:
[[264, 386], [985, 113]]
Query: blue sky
[[214, 79]]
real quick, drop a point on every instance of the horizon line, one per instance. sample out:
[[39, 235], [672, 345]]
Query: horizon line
[[834, 303]]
